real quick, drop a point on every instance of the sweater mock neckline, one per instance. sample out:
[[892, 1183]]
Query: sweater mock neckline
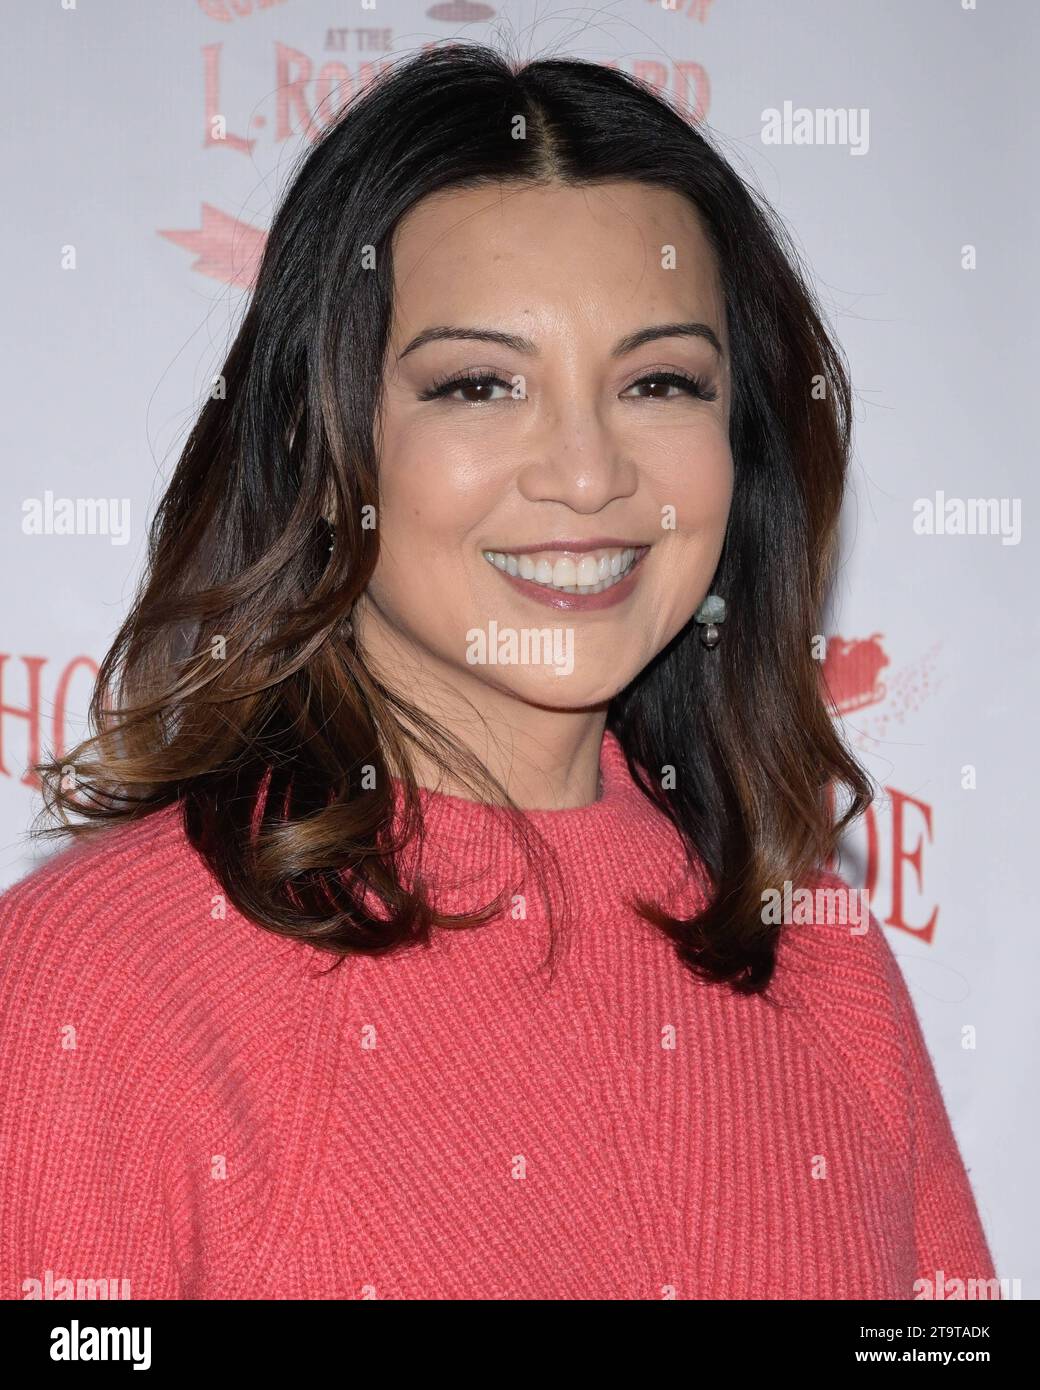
[[618, 845]]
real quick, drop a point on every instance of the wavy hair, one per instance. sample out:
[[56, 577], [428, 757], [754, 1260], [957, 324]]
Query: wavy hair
[[265, 746]]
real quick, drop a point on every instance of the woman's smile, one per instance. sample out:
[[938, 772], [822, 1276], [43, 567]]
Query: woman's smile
[[571, 575]]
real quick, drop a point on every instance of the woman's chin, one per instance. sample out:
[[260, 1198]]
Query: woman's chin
[[556, 688]]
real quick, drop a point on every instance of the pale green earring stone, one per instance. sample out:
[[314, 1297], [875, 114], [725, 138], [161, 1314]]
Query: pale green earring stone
[[712, 610]]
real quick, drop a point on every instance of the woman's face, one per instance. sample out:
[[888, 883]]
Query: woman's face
[[588, 450]]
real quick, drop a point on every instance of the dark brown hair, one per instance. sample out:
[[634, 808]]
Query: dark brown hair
[[264, 747]]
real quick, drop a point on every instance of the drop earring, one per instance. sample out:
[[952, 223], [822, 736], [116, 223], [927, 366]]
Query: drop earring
[[711, 612]]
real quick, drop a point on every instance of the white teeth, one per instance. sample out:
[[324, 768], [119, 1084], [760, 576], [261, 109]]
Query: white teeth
[[565, 573], [591, 574], [588, 571]]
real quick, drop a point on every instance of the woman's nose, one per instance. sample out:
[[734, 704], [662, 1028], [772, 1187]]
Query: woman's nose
[[576, 457]]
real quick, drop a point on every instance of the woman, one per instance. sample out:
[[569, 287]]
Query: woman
[[479, 616]]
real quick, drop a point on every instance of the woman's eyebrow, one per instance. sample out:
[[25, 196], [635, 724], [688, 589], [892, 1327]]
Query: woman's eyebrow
[[629, 343], [667, 330]]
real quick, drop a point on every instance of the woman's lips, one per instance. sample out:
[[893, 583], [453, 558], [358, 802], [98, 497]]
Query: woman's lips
[[582, 603]]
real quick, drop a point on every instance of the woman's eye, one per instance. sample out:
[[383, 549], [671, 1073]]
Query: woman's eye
[[479, 389], [469, 390], [662, 384]]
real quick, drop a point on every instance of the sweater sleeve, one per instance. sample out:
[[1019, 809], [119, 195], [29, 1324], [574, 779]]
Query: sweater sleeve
[[949, 1239], [850, 991], [81, 1167]]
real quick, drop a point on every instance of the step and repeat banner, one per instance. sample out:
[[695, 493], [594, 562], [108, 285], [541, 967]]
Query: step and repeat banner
[[147, 144]]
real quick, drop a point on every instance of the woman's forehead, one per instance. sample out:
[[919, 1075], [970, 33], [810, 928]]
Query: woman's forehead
[[606, 250]]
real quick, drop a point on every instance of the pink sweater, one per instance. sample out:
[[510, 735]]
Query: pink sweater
[[190, 1106]]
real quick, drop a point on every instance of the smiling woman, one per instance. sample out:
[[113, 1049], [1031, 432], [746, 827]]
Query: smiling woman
[[547, 375], [586, 448]]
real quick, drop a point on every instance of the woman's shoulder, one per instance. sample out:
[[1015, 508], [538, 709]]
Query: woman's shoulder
[[837, 973], [830, 936], [103, 884], [104, 849], [128, 913]]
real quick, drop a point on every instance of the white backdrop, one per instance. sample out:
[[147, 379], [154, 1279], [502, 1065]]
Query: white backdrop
[[130, 234]]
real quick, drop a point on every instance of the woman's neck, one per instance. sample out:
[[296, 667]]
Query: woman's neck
[[547, 759]]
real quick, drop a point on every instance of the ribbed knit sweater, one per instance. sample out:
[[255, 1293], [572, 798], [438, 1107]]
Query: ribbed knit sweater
[[199, 1107]]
